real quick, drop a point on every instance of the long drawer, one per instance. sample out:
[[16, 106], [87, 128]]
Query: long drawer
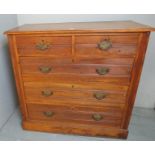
[[106, 116], [44, 94], [80, 82], [46, 66]]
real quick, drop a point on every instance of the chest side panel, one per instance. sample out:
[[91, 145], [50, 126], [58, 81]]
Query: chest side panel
[[135, 77]]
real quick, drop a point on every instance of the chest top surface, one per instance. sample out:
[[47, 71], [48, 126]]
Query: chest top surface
[[107, 26]]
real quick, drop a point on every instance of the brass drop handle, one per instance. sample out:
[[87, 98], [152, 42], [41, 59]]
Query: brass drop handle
[[42, 46], [48, 113], [99, 95], [45, 69], [105, 45], [97, 117], [102, 70], [47, 93]]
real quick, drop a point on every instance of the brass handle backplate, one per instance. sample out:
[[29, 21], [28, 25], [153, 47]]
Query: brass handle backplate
[[97, 117], [47, 93], [105, 45], [48, 113], [99, 95], [102, 70], [43, 45], [45, 69]]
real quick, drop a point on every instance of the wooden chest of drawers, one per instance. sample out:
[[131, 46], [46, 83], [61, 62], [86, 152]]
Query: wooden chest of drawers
[[78, 78]]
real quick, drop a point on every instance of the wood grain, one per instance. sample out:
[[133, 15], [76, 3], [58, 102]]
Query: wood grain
[[136, 72], [116, 60], [115, 38], [111, 116], [80, 82], [32, 66], [71, 51], [81, 27], [73, 96], [17, 75], [26, 46], [75, 128]]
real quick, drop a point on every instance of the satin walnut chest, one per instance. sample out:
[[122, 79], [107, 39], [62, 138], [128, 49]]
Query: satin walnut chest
[[78, 78]]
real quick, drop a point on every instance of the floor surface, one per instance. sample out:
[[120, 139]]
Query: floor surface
[[142, 127]]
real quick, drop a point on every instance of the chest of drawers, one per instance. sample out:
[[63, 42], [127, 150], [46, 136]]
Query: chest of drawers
[[78, 78]]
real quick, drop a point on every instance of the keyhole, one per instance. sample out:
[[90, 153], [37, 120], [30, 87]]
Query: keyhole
[[72, 86]]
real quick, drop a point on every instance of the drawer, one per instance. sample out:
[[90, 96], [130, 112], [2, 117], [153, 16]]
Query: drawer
[[106, 46], [44, 94], [41, 66], [103, 116], [44, 45], [79, 82], [68, 83]]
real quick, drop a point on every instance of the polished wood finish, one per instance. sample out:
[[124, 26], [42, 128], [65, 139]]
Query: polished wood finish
[[122, 45], [81, 27], [33, 67], [78, 78], [61, 95], [111, 117], [27, 46]]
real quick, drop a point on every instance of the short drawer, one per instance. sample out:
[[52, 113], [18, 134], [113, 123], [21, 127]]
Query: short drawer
[[46, 67], [44, 94], [101, 46], [103, 116], [44, 45]]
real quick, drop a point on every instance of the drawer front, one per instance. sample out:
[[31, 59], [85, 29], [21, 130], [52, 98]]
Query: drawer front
[[80, 82], [46, 66], [106, 46], [70, 96], [103, 116], [43, 46]]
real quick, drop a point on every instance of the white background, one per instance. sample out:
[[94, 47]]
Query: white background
[[8, 99], [84, 6]]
